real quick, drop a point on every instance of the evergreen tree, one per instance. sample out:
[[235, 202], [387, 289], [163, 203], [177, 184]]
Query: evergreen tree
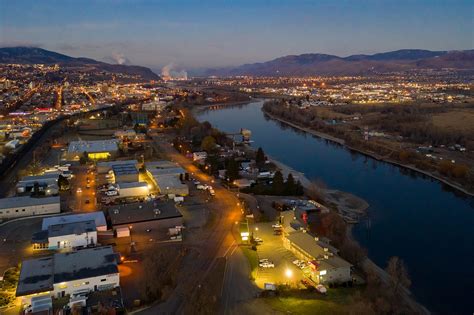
[[260, 158], [278, 186], [299, 189], [232, 170], [290, 185]]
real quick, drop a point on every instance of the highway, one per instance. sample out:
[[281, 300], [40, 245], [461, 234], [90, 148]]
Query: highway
[[214, 243]]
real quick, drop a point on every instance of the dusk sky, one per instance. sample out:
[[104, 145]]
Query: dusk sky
[[194, 34]]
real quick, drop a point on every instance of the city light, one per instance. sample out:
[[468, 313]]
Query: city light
[[288, 273]]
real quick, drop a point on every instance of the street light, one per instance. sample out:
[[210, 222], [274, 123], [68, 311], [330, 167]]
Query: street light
[[288, 273]]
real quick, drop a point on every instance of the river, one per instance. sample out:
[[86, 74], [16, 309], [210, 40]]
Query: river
[[429, 225]]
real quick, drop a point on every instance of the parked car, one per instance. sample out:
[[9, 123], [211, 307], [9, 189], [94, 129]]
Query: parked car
[[197, 183], [258, 240], [263, 260], [212, 192], [201, 187], [111, 193], [277, 226], [267, 264], [321, 289]]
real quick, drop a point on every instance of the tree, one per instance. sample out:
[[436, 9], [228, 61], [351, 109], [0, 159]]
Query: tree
[[84, 158], [290, 185], [63, 183], [232, 170], [278, 186], [398, 275], [260, 158], [299, 189], [208, 144]]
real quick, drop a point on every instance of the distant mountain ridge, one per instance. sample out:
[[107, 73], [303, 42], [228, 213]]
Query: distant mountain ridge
[[32, 55], [323, 64]]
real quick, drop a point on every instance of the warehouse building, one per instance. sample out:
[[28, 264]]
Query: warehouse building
[[96, 149], [66, 236], [48, 181], [71, 273], [106, 166], [135, 189], [16, 207], [166, 176], [125, 173], [145, 216], [325, 265], [98, 218]]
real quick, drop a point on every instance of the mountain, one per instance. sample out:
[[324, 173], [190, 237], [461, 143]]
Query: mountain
[[321, 64], [31, 55]]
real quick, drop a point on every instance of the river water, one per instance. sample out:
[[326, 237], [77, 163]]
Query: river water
[[429, 225]]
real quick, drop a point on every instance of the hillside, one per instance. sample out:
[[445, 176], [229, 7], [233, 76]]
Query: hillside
[[321, 64], [33, 55]]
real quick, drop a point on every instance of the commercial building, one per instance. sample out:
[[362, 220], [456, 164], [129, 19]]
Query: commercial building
[[135, 189], [325, 266], [48, 181], [125, 173], [72, 273], [66, 236], [145, 216], [16, 207], [166, 176], [98, 218], [96, 149], [104, 167]]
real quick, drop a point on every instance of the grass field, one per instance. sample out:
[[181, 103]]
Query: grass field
[[336, 302], [252, 257], [456, 120]]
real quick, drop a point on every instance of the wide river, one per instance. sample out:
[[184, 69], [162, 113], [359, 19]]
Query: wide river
[[428, 225]]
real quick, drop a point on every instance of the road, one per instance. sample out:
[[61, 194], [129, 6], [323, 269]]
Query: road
[[214, 243], [84, 199]]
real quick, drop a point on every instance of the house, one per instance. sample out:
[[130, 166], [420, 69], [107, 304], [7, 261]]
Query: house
[[199, 156], [16, 207], [66, 236], [72, 273], [325, 266]]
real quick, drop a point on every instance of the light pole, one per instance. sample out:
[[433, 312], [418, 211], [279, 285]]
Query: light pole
[[288, 274]]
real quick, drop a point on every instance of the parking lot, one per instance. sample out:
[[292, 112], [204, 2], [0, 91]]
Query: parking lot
[[284, 272]]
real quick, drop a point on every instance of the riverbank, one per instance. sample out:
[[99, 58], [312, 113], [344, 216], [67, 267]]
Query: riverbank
[[370, 154]]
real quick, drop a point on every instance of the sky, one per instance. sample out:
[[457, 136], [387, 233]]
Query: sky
[[209, 34]]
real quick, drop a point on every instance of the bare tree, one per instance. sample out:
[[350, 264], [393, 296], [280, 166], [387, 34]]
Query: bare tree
[[398, 275]]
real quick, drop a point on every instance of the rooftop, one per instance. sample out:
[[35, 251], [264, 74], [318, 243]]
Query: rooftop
[[26, 201], [123, 169], [36, 276], [93, 146], [114, 163], [85, 263], [98, 217], [309, 245], [142, 212], [77, 228], [166, 171], [159, 164]]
